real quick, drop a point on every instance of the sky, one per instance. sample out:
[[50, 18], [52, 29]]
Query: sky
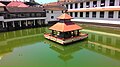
[[39, 1], [42, 1], [45, 1]]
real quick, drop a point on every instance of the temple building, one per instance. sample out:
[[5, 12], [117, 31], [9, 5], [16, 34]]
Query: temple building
[[65, 31], [16, 15], [95, 11]]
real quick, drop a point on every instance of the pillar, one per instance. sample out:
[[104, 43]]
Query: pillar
[[3, 24], [98, 15], [84, 4], [98, 3], [73, 5], [78, 5], [106, 15], [107, 2], [6, 25], [34, 23], [117, 2], [68, 6], [13, 24], [20, 24], [115, 16], [26, 23], [91, 3]]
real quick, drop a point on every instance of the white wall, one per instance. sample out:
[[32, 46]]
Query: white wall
[[55, 14]]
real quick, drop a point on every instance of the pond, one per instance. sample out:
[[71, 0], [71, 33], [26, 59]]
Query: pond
[[29, 48]]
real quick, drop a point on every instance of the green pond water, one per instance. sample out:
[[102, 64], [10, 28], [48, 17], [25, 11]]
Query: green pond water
[[29, 48]]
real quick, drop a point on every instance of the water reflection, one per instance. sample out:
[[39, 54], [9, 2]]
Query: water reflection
[[102, 43], [11, 40], [65, 52]]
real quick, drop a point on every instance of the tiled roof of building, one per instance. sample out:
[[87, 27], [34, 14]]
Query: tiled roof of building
[[54, 7], [64, 16], [17, 4], [54, 3], [2, 5], [65, 27], [24, 9]]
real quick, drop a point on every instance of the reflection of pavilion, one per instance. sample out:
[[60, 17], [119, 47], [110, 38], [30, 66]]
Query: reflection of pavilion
[[11, 40], [66, 51]]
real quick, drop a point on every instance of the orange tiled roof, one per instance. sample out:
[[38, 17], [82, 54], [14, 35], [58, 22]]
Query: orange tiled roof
[[64, 16], [95, 9], [55, 7], [65, 27], [17, 4], [2, 5]]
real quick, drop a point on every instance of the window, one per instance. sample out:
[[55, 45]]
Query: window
[[119, 14], [102, 3], [51, 11], [76, 5], [94, 3], [81, 5], [76, 14], [62, 11], [47, 11], [87, 14], [52, 17], [93, 14], [71, 6], [71, 14], [112, 2], [81, 14], [87, 4], [102, 14], [110, 14]]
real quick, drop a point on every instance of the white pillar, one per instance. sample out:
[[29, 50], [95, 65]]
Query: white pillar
[[78, 5], [84, 14], [68, 6], [3, 24], [20, 24], [106, 15], [26, 23], [6, 24], [78, 14], [90, 14], [84, 4], [34, 22], [117, 2], [73, 14], [115, 16], [91, 3], [107, 2], [98, 3], [73, 5], [13, 24], [97, 14]]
